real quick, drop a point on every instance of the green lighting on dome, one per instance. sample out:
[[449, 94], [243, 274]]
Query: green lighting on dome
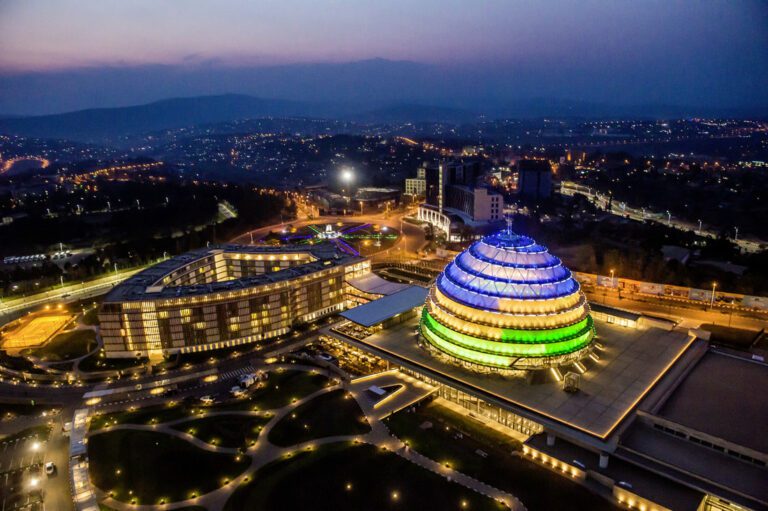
[[562, 346], [468, 314]]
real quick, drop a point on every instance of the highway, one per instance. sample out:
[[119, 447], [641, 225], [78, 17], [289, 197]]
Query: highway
[[67, 293], [643, 214]]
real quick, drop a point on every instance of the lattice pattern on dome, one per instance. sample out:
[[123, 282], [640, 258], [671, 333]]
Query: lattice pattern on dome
[[507, 303]]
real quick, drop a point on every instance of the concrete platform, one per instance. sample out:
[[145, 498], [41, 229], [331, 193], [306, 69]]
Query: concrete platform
[[412, 391], [632, 362]]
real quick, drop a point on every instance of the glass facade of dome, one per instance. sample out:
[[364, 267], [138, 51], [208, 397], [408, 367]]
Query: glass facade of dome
[[506, 303]]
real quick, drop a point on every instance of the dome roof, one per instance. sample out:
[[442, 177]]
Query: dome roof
[[507, 303]]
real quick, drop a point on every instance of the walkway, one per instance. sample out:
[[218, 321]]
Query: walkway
[[264, 452]]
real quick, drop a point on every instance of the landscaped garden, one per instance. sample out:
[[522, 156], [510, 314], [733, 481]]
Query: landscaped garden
[[237, 431], [281, 388], [65, 346], [342, 477], [330, 414], [457, 441], [98, 362], [145, 467]]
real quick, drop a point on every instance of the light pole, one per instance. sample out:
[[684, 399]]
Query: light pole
[[347, 177], [736, 237], [712, 300], [699, 231], [669, 218], [613, 279]]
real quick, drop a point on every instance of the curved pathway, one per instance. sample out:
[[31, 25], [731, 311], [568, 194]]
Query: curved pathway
[[264, 452]]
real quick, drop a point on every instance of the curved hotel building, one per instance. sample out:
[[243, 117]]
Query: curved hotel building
[[223, 297], [506, 304]]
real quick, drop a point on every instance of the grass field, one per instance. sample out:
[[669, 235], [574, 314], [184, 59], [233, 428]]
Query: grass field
[[147, 467], [66, 346], [282, 387], [330, 414], [340, 477], [95, 363], [538, 488], [238, 431]]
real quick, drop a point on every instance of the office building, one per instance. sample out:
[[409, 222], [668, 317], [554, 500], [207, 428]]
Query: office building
[[224, 297], [534, 178]]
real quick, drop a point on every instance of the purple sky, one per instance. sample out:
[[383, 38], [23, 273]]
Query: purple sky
[[718, 48]]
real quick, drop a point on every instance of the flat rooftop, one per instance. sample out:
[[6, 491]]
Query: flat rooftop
[[621, 313], [372, 283], [715, 472], [373, 313], [631, 363], [135, 288], [720, 397]]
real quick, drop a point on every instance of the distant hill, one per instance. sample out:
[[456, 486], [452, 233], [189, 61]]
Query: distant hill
[[103, 123], [108, 124], [416, 113]]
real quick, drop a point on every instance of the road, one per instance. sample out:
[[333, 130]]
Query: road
[[643, 214], [689, 314], [410, 242], [68, 293]]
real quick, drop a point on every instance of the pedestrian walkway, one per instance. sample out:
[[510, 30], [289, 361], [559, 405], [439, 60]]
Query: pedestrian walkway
[[264, 452]]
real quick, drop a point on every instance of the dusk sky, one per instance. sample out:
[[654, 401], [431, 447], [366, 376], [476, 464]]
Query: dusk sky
[[691, 53]]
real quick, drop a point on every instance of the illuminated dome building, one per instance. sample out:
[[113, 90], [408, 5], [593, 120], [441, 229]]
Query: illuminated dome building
[[504, 305]]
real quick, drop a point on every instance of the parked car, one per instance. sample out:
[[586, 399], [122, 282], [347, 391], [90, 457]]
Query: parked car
[[207, 400]]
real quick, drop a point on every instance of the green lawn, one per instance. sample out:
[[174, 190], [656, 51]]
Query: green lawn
[[147, 416], [148, 466], [330, 414], [66, 346], [538, 488], [340, 477], [8, 410], [91, 316], [225, 430], [281, 388], [96, 363], [18, 363]]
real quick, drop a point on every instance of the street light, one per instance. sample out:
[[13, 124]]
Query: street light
[[699, 231], [712, 301]]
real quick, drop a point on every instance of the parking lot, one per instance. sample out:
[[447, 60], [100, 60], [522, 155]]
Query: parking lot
[[22, 474]]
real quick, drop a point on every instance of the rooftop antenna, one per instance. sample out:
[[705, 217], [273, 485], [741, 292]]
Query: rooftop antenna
[[509, 218]]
